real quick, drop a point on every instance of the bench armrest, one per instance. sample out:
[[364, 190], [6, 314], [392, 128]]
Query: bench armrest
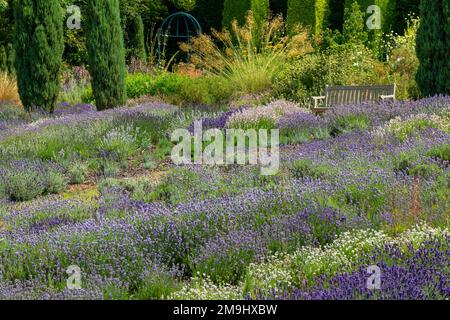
[[384, 97], [317, 99]]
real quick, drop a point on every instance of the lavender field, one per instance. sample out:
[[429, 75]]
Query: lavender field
[[242, 153], [360, 186]]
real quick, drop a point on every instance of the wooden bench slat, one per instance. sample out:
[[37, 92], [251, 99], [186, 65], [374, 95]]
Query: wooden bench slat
[[341, 95]]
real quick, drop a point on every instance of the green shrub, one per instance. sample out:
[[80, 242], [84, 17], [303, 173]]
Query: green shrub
[[106, 53], [306, 168], [403, 161], [39, 47], [229, 268], [425, 170], [138, 84], [387, 10], [205, 90], [23, 185], [348, 123], [77, 172], [403, 62], [56, 182], [308, 13], [156, 286], [442, 152], [433, 47], [309, 75]]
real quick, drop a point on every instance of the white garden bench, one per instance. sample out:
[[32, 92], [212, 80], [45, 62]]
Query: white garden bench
[[342, 95]]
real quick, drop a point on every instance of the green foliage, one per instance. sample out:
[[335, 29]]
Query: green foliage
[[78, 172], [227, 267], [184, 5], [308, 76], [137, 41], [39, 48], [403, 62], [403, 8], [433, 47], [238, 9], [441, 152], [354, 30], [56, 182], [11, 53], [180, 89], [209, 14], [3, 59], [106, 53], [375, 36], [387, 10], [309, 13], [306, 168], [336, 15], [25, 185], [279, 7]]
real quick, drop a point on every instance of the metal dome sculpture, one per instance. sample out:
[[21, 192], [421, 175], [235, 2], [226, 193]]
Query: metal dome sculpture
[[180, 26]]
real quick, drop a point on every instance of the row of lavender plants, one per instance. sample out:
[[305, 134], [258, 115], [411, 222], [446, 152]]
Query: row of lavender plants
[[230, 233]]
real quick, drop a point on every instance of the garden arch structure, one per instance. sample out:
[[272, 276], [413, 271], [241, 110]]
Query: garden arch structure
[[180, 25]]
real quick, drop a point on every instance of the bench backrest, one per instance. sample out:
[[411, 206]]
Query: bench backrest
[[341, 95]]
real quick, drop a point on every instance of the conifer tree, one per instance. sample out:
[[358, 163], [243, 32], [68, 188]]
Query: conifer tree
[[39, 46], [106, 53], [433, 47]]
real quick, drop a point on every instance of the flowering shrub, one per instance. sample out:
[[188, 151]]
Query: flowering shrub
[[402, 128], [265, 116]]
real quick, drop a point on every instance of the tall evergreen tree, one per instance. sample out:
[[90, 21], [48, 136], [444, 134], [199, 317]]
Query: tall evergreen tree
[[237, 10], [39, 46], [354, 25], [137, 41], [11, 55], [308, 13], [433, 47], [3, 59], [106, 53]]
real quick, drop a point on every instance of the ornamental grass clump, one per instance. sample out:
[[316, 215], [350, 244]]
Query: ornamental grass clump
[[8, 90], [248, 56]]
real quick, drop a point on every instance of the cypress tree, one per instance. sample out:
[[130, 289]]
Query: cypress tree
[[336, 16], [11, 56], [238, 9], [308, 13], [106, 53], [354, 31], [433, 47], [3, 59], [39, 47], [137, 42]]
